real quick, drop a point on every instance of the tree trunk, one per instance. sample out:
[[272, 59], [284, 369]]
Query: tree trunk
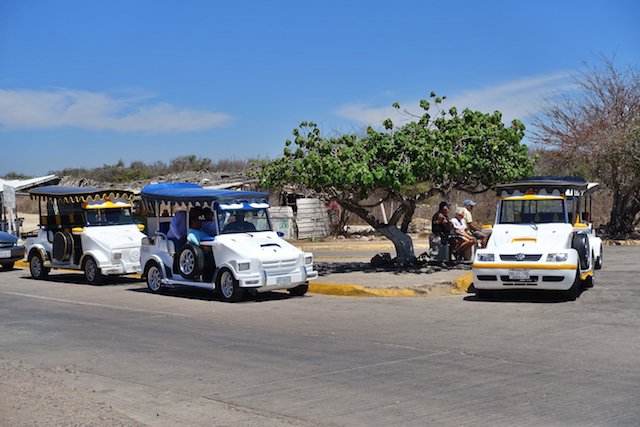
[[401, 241]]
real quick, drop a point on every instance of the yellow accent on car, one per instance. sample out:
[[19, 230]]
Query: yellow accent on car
[[525, 265], [524, 239], [77, 230], [532, 197], [140, 227]]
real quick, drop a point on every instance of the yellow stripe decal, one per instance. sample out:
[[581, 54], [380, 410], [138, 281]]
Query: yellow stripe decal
[[524, 239], [525, 265]]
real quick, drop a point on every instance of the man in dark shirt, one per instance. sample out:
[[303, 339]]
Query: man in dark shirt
[[440, 223]]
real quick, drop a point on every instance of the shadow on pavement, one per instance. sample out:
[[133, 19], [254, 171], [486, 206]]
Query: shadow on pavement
[[205, 295], [78, 279], [521, 296], [326, 268]]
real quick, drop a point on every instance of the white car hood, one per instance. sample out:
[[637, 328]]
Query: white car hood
[[260, 245], [114, 236], [513, 238]]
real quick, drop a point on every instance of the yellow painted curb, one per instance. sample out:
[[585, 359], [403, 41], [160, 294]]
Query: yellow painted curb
[[462, 283], [357, 291], [21, 264]]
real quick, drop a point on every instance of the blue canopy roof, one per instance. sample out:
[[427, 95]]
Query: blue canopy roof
[[185, 193]]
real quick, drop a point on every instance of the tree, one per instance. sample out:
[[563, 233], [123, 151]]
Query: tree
[[596, 129], [471, 151]]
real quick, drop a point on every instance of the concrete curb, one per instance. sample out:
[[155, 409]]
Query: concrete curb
[[462, 283]]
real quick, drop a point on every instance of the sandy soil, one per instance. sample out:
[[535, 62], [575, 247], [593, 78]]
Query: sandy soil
[[34, 397]]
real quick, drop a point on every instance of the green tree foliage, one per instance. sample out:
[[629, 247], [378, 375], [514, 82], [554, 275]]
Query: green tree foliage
[[470, 151], [595, 131]]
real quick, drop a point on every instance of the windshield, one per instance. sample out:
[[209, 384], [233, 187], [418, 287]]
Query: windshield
[[527, 211], [243, 221], [110, 216]]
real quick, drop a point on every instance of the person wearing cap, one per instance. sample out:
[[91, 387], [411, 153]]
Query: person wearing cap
[[474, 229]]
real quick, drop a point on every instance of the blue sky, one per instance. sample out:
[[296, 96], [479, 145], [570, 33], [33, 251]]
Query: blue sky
[[84, 83]]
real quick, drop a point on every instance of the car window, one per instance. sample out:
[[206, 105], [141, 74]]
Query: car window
[[111, 216], [243, 221], [521, 211]]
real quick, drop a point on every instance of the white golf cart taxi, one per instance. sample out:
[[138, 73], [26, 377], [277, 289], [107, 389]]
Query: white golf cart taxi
[[84, 228], [236, 257], [542, 238]]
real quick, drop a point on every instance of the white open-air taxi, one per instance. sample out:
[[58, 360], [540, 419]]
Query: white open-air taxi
[[240, 253], [84, 228], [542, 238]]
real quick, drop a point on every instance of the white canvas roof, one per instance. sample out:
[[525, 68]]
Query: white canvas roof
[[22, 184]]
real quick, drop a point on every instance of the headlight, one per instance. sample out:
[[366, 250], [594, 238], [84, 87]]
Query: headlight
[[486, 257], [308, 260], [559, 257], [117, 255], [244, 266]]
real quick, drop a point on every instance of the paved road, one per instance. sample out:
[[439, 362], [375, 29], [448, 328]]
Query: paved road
[[187, 359]]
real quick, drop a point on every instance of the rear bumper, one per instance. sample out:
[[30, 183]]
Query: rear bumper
[[120, 269], [543, 276]]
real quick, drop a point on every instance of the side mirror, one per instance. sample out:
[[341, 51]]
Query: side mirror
[[280, 234]]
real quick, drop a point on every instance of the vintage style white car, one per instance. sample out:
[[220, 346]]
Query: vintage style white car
[[241, 251], [84, 228], [542, 238]]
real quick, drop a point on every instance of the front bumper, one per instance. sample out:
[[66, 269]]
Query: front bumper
[[13, 253], [541, 275], [265, 282]]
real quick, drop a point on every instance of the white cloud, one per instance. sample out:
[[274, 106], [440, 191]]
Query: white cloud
[[29, 109], [516, 99]]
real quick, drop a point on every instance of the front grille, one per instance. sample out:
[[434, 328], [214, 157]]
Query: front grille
[[529, 280], [6, 245], [552, 278], [520, 284], [487, 277], [279, 266], [527, 257]]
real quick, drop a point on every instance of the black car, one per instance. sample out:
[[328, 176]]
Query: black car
[[10, 250]]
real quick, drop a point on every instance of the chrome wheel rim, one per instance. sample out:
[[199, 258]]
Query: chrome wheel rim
[[154, 278], [226, 285], [90, 270], [36, 266], [187, 262]]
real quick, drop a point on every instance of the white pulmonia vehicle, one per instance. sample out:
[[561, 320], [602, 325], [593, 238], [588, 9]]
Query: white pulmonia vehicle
[[236, 257], [84, 228], [542, 238]]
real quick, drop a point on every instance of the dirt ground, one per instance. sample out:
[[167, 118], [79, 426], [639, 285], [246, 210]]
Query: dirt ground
[[34, 397]]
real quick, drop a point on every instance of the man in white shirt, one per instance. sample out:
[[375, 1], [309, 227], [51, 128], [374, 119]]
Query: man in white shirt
[[464, 239], [474, 229]]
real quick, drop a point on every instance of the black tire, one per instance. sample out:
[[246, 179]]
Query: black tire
[[92, 272], [8, 265], [190, 261], [227, 286], [573, 292], [580, 243], [36, 266], [598, 263], [62, 246], [299, 290], [153, 275]]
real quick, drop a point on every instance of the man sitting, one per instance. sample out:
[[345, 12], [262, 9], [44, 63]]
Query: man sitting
[[464, 240], [239, 224]]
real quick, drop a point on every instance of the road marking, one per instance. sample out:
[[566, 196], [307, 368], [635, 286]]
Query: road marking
[[93, 304]]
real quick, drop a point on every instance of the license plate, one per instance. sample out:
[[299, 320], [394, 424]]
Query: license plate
[[283, 280], [520, 274], [5, 254]]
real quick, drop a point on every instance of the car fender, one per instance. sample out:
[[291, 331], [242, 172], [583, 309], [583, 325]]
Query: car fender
[[100, 258], [39, 248], [155, 258]]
